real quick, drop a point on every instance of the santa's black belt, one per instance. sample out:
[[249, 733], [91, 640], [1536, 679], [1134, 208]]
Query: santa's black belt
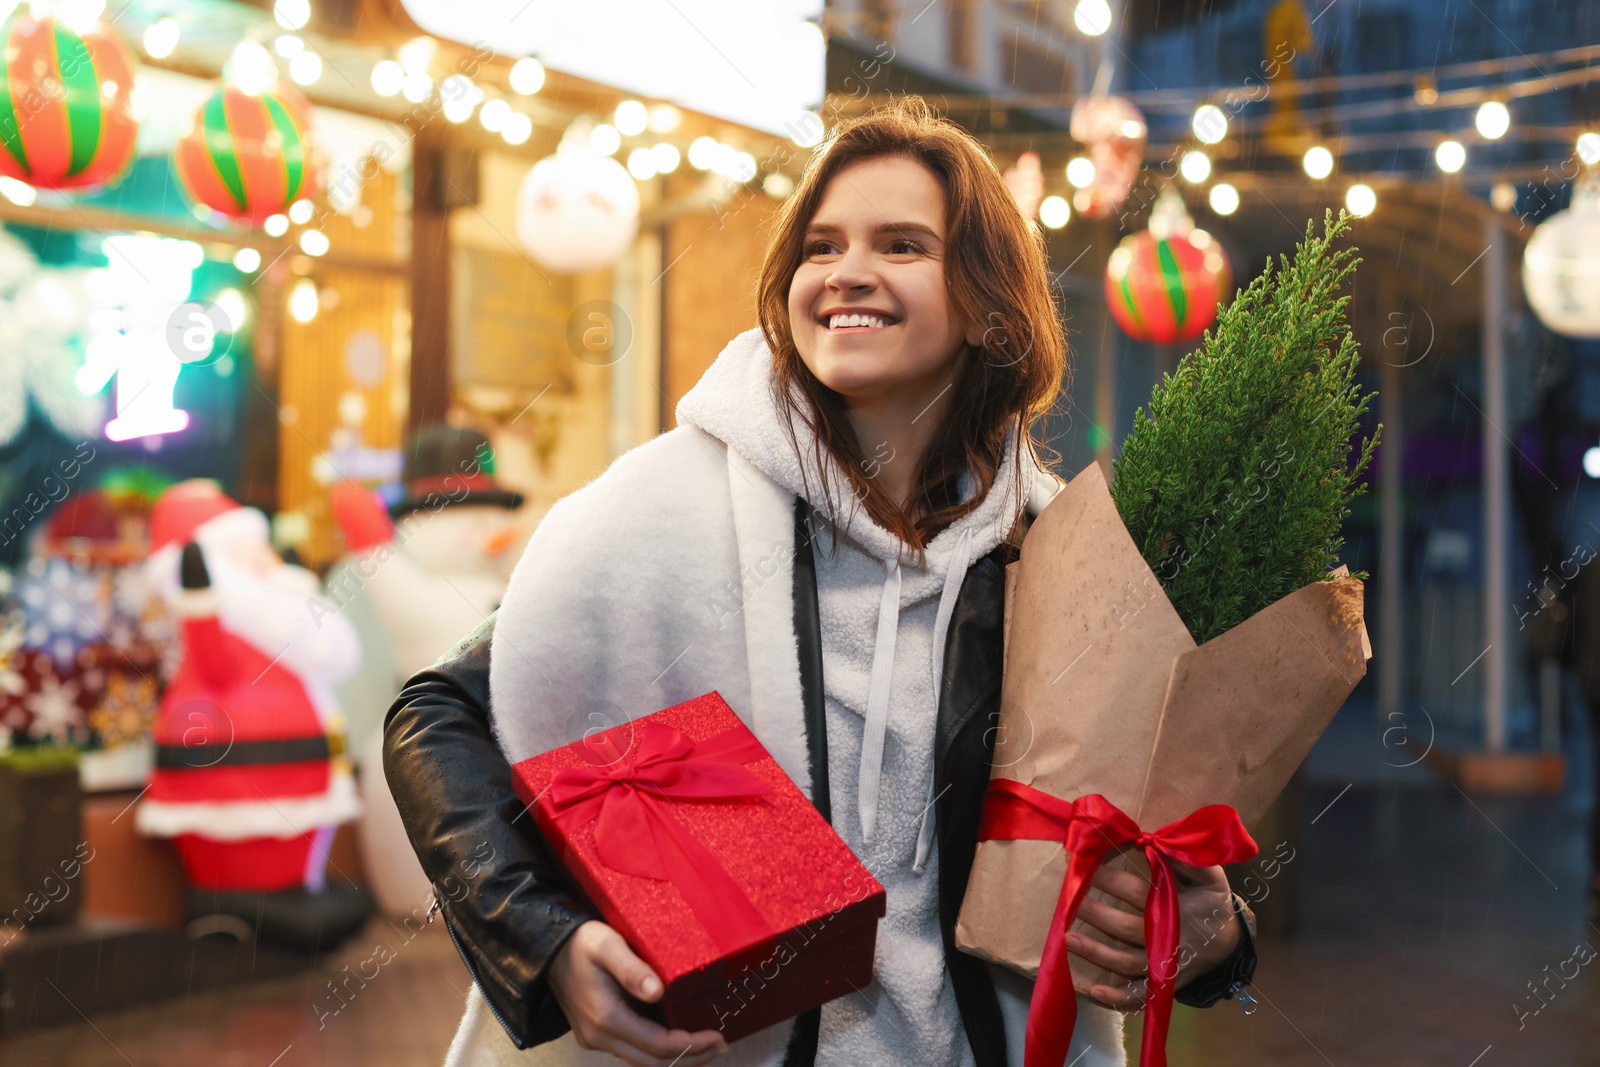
[[245, 753]]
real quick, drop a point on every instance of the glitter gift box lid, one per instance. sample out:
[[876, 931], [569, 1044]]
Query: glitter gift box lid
[[813, 927]]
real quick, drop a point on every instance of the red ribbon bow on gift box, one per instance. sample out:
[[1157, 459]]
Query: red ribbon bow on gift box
[[1089, 828], [643, 827]]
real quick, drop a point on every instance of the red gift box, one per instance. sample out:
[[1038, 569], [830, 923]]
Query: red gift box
[[693, 843]]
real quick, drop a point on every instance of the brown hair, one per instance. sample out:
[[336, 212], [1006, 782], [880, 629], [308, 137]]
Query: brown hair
[[997, 279]]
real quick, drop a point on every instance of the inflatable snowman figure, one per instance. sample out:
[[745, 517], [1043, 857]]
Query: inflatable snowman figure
[[431, 568]]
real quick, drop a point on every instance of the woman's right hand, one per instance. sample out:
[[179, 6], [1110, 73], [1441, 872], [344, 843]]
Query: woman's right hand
[[588, 976]]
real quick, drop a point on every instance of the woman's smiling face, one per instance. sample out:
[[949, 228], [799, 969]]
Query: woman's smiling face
[[869, 308]]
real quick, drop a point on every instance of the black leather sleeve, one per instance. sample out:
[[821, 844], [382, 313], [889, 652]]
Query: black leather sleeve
[[500, 890], [1232, 974]]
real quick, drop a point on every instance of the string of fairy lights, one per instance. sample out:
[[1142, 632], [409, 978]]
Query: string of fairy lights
[[1480, 85], [644, 135]]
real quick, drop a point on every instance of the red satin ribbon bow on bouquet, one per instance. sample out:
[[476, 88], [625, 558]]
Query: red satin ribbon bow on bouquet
[[641, 803], [1089, 828]]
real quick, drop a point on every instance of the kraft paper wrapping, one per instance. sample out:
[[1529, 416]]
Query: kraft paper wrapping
[[1105, 691]]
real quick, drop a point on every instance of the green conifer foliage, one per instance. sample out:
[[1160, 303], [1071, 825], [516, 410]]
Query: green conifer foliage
[[1237, 480]]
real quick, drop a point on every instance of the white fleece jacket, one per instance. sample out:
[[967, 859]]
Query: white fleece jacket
[[671, 575]]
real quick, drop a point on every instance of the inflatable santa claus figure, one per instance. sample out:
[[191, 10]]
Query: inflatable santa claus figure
[[250, 777]]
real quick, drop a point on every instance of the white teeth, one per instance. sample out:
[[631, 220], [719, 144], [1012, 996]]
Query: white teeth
[[837, 321]]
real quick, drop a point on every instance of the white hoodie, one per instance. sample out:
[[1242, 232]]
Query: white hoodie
[[671, 575]]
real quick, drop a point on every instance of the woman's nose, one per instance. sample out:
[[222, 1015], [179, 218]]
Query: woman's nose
[[853, 270]]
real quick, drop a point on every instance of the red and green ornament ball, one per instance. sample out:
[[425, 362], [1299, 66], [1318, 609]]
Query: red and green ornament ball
[[66, 103], [1166, 290], [249, 155]]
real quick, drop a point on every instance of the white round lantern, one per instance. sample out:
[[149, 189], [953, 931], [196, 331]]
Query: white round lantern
[[1561, 266], [577, 210]]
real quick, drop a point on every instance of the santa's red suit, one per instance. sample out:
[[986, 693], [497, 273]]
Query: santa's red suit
[[250, 774]]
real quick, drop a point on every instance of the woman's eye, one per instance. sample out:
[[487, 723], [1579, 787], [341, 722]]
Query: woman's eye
[[903, 248], [819, 248]]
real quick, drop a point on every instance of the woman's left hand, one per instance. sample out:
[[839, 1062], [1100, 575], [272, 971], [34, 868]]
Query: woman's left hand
[[1208, 930]]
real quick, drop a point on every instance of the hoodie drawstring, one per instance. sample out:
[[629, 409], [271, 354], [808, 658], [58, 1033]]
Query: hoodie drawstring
[[954, 575], [877, 719], [877, 725]]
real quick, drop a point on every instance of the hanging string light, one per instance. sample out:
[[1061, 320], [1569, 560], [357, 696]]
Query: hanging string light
[[1080, 171], [1054, 212], [1195, 167], [1092, 17], [1224, 198], [1493, 120], [1318, 162], [388, 77], [1588, 148], [1209, 124], [161, 37], [1451, 156], [527, 76], [631, 117], [292, 14], [1361, 200]]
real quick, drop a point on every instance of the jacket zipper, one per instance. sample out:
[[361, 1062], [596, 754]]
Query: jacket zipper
[[473, 971], [1246, 1001]]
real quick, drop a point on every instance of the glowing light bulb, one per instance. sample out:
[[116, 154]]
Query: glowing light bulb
[[518, 129], [388, 77], [642, 164], [1223, 198], [527, 76], [1318, 162], [305, 68], [1451, 156], [666, 156], [1080, 171], [251, 68], [303, 300], [1054, 212], [417, 86], [493, 115], [1092, 17], [664, 118], [702, 152], [19, 193], [417, 53], [1209, 124], [161, 37], [1360, 200], [292, 14], [1195, 167], [247, 260], [231, 303], [631, 118], [1493, 120], [605, 139]]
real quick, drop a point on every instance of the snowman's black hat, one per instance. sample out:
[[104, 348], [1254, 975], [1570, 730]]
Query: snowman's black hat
[[450, 466]]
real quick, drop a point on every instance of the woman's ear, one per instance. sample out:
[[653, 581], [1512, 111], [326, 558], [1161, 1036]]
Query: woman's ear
[[976, 332]]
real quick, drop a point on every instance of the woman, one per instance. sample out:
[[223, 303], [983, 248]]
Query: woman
[[821, 540]]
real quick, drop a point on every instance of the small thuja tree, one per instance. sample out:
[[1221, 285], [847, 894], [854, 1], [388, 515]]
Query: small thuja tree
[[1235, 483]]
